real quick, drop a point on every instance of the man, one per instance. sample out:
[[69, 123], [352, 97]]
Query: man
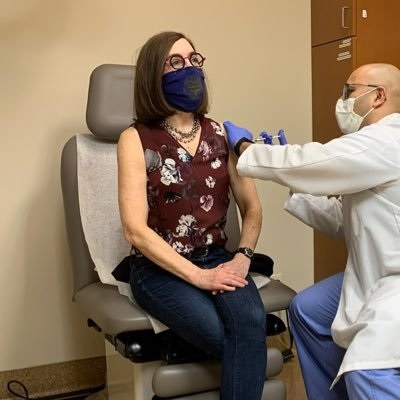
[[346, 327]]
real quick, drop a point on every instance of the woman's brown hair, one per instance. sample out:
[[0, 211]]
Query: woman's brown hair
[[150, 104]]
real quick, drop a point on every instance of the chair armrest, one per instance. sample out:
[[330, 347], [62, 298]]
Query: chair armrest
[[112, 312]]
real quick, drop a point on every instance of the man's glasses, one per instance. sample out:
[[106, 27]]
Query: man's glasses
[[176, 61], [348, 89]]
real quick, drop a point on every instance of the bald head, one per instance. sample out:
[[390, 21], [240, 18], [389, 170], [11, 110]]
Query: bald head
[[385, 75]]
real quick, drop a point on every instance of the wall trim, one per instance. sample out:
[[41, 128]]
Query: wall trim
[[55, 379]]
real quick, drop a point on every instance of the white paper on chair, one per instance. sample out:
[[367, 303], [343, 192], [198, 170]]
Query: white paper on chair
[[98, 202], [260, 280]]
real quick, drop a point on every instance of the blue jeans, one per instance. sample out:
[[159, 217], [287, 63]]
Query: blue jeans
[[231, 326], [312, 312]]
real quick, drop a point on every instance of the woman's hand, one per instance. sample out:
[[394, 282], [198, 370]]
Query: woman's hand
[[220, 279], [239, 264]]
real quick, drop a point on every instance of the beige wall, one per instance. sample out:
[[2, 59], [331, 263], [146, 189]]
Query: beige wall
[[258, 63]]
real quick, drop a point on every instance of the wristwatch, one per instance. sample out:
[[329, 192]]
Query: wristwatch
[[246, 251]]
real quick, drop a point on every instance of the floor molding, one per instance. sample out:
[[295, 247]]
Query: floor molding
[[56, 379]]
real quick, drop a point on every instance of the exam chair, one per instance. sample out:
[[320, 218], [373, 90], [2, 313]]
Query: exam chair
[[142, 365]]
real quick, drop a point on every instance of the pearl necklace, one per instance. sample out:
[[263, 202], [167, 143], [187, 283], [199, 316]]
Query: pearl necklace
[[182, 137]]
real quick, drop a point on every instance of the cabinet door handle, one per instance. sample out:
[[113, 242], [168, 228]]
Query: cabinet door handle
[[343, 17]]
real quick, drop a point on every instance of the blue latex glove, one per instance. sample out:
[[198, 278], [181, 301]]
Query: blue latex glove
[[268, 139], [282, 137], [235, 133]]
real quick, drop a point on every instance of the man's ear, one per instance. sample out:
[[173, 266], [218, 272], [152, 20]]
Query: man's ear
[[380, 96]]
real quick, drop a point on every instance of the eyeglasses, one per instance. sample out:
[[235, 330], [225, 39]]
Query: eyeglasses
[[176, 61], [348, 89]]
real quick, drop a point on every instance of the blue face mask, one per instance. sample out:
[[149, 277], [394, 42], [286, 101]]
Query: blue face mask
[[183, 89]]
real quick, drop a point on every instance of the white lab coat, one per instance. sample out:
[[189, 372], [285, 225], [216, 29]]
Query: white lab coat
[[364, 168]]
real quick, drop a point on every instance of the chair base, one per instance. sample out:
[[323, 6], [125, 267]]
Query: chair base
[[127, 380], [274, 389]]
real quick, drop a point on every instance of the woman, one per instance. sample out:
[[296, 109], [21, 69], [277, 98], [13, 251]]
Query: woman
[[175, 172]]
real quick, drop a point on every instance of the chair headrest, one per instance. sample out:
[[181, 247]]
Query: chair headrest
[[110, 106]]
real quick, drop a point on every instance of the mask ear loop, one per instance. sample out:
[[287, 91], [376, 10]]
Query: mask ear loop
[[361, 95], [372, 108]]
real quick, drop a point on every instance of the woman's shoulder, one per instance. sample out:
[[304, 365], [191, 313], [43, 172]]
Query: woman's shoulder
[[214, 126], [129, 138], [210, 121], [136, 129], [128, 134]]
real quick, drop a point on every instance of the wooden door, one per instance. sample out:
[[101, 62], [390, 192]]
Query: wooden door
[[333, 28], [378, 32], [332, 63], [332, 20]]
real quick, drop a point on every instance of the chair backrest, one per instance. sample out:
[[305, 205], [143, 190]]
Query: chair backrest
[[110, 106], [110, 110]]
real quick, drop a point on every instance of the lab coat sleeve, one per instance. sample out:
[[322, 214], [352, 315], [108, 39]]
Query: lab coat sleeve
[[319, 212], [345, 165]]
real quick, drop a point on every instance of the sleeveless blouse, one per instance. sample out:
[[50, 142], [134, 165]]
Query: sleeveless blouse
[[188, 196]]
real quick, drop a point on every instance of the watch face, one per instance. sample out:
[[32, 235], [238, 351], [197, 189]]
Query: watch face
[[246, 251]]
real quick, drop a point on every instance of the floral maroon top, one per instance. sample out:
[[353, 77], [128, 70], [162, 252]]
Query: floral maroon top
[[188, 196]]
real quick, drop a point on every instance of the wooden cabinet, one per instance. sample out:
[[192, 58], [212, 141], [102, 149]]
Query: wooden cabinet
[[378, 32], [332, 20], [345, 35]]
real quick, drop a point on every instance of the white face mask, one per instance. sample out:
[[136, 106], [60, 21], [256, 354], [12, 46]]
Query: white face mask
[[346, 118]]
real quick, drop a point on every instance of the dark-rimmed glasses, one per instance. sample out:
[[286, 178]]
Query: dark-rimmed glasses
[[348, 89], [176, 61]]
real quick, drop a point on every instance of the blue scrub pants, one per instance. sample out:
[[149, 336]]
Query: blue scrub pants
[[311, 315]]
